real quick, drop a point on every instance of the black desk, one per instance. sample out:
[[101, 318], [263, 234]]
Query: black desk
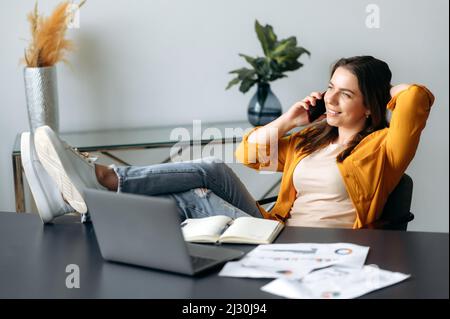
[[33, 261]]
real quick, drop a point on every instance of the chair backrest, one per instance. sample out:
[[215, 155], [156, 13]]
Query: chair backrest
[[396, 213]]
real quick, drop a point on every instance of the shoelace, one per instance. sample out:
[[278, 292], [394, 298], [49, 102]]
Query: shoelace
[[84, 155]]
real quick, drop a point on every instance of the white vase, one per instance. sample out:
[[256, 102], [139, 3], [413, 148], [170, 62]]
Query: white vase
[[41, 92]]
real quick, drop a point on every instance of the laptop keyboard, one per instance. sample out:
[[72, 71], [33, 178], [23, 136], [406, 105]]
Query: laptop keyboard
[[198, 262]]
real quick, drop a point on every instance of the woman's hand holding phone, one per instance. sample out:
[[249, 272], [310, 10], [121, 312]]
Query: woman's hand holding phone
[[300, 114], [308, 110]]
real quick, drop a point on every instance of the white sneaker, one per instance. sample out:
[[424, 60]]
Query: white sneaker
[[72, 171], [48, 199]]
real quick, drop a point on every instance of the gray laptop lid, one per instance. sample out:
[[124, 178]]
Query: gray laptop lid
[[145, 231], [134, 229]]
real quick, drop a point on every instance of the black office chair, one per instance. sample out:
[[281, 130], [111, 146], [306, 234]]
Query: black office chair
[[396, 213]]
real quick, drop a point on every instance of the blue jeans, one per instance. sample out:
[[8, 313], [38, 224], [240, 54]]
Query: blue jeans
[[200, 188]]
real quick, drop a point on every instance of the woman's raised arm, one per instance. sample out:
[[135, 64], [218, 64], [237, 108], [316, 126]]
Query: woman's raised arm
[[411, 106]]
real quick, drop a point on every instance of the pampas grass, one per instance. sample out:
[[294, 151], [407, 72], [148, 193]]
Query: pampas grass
[[48, 44]]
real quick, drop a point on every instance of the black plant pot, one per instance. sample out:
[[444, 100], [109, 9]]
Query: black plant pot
[[264, 106]]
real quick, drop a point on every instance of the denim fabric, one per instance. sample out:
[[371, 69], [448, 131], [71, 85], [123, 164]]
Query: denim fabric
[[201, 188]]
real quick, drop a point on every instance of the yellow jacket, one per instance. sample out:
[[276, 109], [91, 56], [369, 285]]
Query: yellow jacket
[[370, 173]]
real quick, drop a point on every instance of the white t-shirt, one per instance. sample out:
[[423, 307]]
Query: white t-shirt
[[322, 200]]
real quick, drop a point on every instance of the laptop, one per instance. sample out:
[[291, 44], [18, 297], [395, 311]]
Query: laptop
[[145, 231]]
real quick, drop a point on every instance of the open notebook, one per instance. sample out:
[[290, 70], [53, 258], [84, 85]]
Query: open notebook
[[224, 229]]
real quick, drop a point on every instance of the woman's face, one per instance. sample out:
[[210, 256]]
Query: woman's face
[[344, 101]]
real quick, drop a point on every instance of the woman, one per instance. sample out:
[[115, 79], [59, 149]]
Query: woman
[[337, 172]]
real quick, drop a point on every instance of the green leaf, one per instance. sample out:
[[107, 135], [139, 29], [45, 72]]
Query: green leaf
[[246, 85], [277, 76], [233, 82], [304, 51], [266, 37], [243, 73], [261, 67], [277, 70], [290, 54], [292, 66], [283, 45], [249, 59]]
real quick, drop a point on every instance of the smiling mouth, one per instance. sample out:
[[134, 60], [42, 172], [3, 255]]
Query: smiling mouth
[[333, 112]]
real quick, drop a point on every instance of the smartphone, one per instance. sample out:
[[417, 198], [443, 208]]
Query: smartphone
[[316, 111]]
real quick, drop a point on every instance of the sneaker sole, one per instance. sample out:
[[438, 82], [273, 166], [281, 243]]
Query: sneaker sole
[[52, 157], [33, 179]]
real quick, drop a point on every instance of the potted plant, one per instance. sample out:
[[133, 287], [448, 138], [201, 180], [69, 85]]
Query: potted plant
[[280, 56], [47, 47]]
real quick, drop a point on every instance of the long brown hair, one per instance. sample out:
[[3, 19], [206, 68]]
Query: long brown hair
[[374, 79]]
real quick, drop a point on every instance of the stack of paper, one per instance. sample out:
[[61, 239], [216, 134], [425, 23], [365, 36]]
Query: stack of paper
[[335, 283], [294, 260], [313, 270]]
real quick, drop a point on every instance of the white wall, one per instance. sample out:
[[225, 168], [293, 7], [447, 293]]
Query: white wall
[[142, 63]]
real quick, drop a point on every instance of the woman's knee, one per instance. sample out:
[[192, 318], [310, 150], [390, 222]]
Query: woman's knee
[[202, 192], [214, 166], [211, 160]]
